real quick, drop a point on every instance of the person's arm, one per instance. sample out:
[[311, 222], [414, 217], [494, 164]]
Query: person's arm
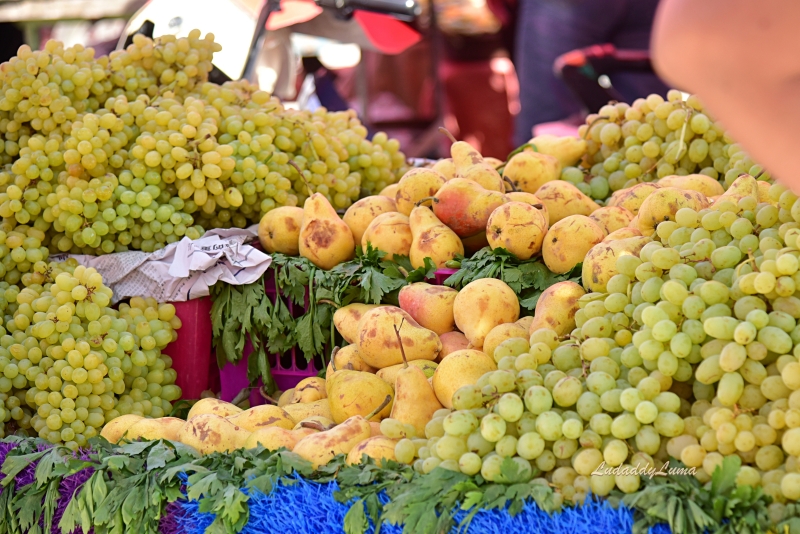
[[742, 58]]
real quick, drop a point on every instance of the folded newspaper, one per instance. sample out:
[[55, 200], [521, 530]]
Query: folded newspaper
[[183, 270]]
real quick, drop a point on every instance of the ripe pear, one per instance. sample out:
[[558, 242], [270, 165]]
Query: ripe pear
[[321, 447], [564, 199], [612, 218], [517, 227], [389, 191], [415, 186], [446, 168], [622, 233], [529, 198], [431, 239], [213, 406], [286, 397], [470, 165], [556, 308], [465, 206], [348, 358], [376, 447], [763, 192], [696, 182], [376, 429], [568, 241], [600, 263], [431, 306], [744, 186], [529, 170], [631, 198], [451, 342], [378, 347], [389, 374], [210, 433], [154, 429], [116, 428], [259, 417], [461, 368], [389, 232], [309, 389], [300, 433], [346, 319], [325, 239], [272, 438], [357, 393], [483, 304], [414, 401], [567, 150], [298, 412], [500, 333], [360, 214], [662, 205], [524, 322], [279, 230]]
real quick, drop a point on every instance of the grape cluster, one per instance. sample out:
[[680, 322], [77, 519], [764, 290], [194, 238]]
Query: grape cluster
[[69, 363], [653, 138], [137, 149]]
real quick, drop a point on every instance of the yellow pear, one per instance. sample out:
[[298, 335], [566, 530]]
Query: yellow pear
[[564, 199], [414, 400], [389, 191], [483, 304], [529, 198], [612, 218], [389, 232], [272, 438], [298, 412], [431, 306], [116, 428], [415, 185], [389, 374], [286, 397], [622, 233], [529, 170], [446, 168], [346, 319], [213, 406], [461, 368], [279, 230], [464, 206], [348, 358], [524, 322], [361, 213], [696, 182], [300, 433], [517, 227], [376, 447], [210, 433], [556, 308], [377, 345], [470, 165], [309, 389], [661, 205], [451, 342], [744, 186], [431, 239], [322, 447], [500, 333], [763, 192], [154, 429], [325, 239], [259, 417], [600, 263], [631, 198], [357, 393], [567, 150], [568, 241]]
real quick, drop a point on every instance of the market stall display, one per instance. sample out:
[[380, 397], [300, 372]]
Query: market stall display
[[615, 348]]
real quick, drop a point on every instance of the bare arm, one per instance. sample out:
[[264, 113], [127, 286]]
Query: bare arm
[[742, 58]]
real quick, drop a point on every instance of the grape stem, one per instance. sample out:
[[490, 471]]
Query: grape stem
[[593, 122], [302, 177], [400, 342]]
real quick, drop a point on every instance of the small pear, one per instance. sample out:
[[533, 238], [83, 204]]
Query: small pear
[[568, 241], [469, 164], [301, 411], [272, 438], [612, 218], [116, 428], [348, 359], [556, 308], [600, 263], [376, 447], [431, 306], [415, 186], [389, 191], [517, 227], [483, 304], [451, 342], [309, 390], [389, 232], [209, 433], [346, 319], [744, 186], [631, 198], [389, 374], [445, 167], [465, 206], [564, 199], [154, 429], [325, 239], [286, 397], [500, 333], [567, 150], [279, 230], [529, 198], [432, 239], [461, 368], [622, 233], [360, 214], [415, 401], [529, 170], [696, 182], [322, 447], [357, 393], [213, 406], [663, 204], [262, 416], [378, 347]]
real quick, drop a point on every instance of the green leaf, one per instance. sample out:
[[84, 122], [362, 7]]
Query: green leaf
[[355, 520]]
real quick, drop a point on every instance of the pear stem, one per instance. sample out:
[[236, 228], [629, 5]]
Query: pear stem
[[328, 302], [266, 397], [333, 358], [426, 199], [537, 206], [510, 183], [314, 425], [446, 132], [377, 410], [300, 172], [400, 342]]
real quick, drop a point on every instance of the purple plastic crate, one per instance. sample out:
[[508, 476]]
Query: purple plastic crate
[[442, 274]]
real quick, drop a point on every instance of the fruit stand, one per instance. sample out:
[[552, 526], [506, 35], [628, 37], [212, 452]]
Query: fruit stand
[[598, 334]]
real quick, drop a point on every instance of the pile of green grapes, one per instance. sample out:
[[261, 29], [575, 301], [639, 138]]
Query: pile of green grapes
[[653, 138], [137, 149], [69, 363], [692, 354]]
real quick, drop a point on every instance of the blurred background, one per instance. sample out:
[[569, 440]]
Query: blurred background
[[494, 72]]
